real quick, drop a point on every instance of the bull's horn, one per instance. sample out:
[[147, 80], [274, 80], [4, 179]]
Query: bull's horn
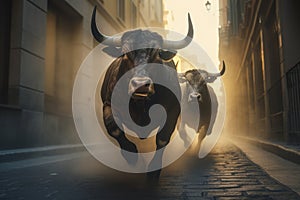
[[221, 72], [181, 77], [107, 40], [223, 69], [168, 44]]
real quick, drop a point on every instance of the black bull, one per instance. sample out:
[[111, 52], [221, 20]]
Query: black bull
[[195, 88], [133, 48]]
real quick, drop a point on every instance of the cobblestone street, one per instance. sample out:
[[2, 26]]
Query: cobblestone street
[[225, 174]]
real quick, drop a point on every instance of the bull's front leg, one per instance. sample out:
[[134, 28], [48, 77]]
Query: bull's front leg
[[115, 132], [162, 140], [183, 134], [201, 135]]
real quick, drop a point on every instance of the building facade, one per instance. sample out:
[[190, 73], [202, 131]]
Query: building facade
[[42, 45], [259, 40]]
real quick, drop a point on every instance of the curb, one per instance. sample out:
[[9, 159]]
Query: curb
[[284, 152], [26, 153]]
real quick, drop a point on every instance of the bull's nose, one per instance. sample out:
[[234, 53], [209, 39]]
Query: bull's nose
[[195, 96], [141, 86], [137, 82]]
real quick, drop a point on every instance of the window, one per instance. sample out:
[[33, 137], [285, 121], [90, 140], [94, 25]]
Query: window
[[272, 61], [60, 60], [271, 49], [259, 80], [258, 69], [121, 9], [5, 22], [293, 86]]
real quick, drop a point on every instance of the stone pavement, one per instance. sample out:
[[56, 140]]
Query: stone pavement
[[226, 173], [285, 171]]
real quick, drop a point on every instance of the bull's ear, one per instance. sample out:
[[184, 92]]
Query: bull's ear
[[112, 51], [167, 55], [181, 77]]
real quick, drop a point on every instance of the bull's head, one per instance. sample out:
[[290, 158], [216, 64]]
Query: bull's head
[[138, 48], [197, 80]]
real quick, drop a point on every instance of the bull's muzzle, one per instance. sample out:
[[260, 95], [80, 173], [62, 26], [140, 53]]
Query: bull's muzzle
[[195, 96], [141, 87]]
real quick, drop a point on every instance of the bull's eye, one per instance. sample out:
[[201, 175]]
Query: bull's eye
[[131, 55], [167, 55]]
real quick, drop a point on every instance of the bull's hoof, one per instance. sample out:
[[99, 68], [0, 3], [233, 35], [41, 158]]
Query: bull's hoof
[[131, 157], [153, 177]]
